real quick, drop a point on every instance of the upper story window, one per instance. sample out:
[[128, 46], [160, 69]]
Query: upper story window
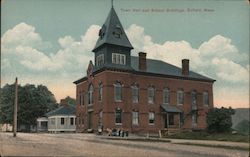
[[100, 60], [118, 116], [90, 94], [81, 98], [151, 95], [118, 58], [135, 94], [166, 96], [194, 98], [118, 91], [180, 97], [205, 99], [100, 91]]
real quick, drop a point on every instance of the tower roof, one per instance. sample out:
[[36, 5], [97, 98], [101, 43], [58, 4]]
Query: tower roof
[[112, 32]]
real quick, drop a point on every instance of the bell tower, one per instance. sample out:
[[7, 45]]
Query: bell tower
[[112, 48]]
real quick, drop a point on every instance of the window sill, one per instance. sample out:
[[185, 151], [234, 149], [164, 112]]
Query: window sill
[[180, 104], [118, 124], [151, 124], [118, 100]]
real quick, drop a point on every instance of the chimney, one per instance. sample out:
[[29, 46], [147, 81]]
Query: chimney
[[64, 102], [185, 67], [142, 61]]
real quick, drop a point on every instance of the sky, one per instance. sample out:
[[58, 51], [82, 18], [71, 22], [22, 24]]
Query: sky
[[50, 42]]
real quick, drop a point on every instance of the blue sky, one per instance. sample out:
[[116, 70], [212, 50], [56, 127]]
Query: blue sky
[[49, 42]]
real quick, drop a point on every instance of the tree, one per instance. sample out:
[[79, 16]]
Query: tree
[[219, 119], [33, 102]]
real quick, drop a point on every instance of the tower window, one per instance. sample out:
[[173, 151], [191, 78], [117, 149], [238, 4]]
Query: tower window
[[118, 116], [100, 60], [118, 91], [118, 58]]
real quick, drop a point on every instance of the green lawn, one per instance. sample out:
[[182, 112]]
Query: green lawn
[[208, 136]]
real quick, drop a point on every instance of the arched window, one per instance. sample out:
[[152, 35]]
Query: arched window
[[100, 92], [151, 95], [166, 96], [118, 91], [90, 94], [135, 94]]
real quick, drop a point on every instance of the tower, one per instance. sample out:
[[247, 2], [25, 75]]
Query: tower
[[112, 49]]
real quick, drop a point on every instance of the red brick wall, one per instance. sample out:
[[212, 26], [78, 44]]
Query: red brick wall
[[108, 104]]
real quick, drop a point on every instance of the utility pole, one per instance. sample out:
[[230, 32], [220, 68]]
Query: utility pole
[[15, 110]]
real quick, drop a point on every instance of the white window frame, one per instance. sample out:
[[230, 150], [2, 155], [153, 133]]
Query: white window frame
[[180, 94], [100, 60], [151, 98], [166, 93], [205, 94], [151, 116], [117, 85], [118, 58], [135, 118], [135, 94]]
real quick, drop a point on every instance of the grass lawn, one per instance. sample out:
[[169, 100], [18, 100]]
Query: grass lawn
[[207, 136]]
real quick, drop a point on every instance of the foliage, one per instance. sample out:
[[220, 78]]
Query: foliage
[[33, 102], [70, 101], [219, 119], [243, 127]]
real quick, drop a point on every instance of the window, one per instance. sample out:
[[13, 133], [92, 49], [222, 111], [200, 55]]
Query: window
[[118, 116], [166, 96], [100, 92], [194, 119], [100, 60], [171, 119], [135, 94], [118, 91], [135, 118], [52, 121], [180, 97], [194, 99], [62, 121], [90, 94], [81, 98], [151, 95], [118, 58], [151, 117], [205, 99], [71, 121], [100, 118]]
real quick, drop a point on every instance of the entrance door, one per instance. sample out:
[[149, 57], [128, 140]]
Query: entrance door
[[166, 121]]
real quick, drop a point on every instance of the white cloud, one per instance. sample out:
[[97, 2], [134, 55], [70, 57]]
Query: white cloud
[[21, 34], [216, 57], [21, 42]]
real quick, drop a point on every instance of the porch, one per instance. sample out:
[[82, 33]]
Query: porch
[[172, 119]]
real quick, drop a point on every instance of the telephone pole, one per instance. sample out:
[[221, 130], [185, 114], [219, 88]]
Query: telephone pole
[[15, 110]]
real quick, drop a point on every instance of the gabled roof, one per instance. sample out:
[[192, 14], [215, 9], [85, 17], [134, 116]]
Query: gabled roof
[[160, 67], [110, 29], [62, 110]]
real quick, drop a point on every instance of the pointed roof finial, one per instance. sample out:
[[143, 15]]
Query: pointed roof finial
[[112, 3]]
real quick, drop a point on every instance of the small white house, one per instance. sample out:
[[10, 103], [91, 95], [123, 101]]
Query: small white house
[[62, 119]]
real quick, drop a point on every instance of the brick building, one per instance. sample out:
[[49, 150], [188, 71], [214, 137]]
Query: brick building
[[138, 94]]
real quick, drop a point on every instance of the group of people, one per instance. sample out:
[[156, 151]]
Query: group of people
[[117, 132]]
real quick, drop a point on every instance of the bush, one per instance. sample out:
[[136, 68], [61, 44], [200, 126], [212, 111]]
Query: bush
[[219, 120]]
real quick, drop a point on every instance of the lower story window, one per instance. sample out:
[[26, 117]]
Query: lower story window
[[135, 118], [171, 119], [118, 116], [151, 117], [62, 121]]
